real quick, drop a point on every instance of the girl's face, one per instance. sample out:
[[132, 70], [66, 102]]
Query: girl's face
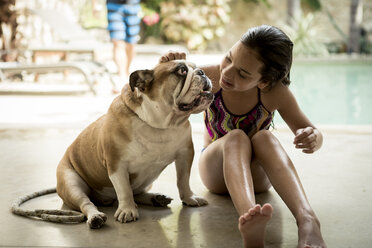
[[240, 69]]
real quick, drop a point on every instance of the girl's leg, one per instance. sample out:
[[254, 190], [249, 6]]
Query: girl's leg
[[225, 166], [283, 176]]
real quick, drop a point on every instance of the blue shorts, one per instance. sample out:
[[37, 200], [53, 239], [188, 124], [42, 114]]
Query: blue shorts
[[123, 21]]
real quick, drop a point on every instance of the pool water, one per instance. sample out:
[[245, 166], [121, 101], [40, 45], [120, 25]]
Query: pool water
[[330, 93], [337, 93]]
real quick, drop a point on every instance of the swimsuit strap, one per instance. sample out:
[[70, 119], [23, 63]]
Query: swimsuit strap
[[218, 93], [259, 95]]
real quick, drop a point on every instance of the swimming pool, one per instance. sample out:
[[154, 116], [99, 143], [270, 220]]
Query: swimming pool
[[331, 92], [337, 92]]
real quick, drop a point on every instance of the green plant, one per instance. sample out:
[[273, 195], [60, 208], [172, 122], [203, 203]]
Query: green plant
[[265, 2], [305, 37], [315, 5], [151, 10], [194, 23]]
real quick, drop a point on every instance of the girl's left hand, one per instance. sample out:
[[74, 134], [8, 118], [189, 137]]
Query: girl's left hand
[[307, 139], [172, 55]]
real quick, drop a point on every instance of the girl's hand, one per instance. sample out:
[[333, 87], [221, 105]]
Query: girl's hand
[[308, 139], [172, 55]]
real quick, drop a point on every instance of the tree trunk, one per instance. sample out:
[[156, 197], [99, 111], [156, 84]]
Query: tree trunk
[[8, 29], [356, 16], [293, 11]]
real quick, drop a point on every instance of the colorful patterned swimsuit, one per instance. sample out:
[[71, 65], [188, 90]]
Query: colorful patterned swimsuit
[[219, 121]]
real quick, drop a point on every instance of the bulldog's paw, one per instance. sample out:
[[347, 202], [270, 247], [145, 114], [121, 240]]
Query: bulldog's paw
[[126, 213], [161, 200], [194, 201], [97, 220]]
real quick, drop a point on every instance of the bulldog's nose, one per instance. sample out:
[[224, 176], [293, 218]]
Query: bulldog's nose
[[207, 84], [207, 87]]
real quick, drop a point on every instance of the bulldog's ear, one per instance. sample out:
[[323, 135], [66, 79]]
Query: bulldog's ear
[[141, 79]]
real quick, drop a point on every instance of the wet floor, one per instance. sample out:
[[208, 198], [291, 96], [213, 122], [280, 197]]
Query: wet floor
[[337, 180], [36, 130]]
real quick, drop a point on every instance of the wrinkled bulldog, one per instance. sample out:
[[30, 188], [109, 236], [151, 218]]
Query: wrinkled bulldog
[[146, 128]]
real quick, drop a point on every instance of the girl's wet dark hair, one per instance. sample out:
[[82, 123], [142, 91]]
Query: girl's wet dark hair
[[274, 50]]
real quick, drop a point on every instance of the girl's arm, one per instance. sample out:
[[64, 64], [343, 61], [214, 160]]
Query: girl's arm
[[307, 136]]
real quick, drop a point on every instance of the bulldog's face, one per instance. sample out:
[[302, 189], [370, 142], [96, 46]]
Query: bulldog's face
[[177, 84]]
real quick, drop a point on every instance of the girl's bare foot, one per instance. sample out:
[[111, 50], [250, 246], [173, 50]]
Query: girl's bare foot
[[252, 225], [309, 235]]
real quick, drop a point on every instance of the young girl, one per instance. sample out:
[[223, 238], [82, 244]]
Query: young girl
[[241, 157]]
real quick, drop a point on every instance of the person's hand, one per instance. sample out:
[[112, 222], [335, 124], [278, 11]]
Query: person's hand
[[172, 55], [308, 139]]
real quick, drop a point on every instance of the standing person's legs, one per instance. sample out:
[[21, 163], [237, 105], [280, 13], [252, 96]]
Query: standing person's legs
[[116, 27], [130, 52], [123, 24], [119, 56], [132, 28], [225, 167], [123, 54]]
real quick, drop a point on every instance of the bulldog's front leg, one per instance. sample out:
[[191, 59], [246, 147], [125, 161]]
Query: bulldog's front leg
[[183, 167], [127, 209]]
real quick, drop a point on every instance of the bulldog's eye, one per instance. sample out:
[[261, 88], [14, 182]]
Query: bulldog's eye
[[182, 70]]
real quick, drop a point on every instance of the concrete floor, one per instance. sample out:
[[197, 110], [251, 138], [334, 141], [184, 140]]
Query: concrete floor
[[337, 180], [36, 130]]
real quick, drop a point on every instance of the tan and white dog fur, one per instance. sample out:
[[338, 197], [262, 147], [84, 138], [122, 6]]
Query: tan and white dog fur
[[145, 129]]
